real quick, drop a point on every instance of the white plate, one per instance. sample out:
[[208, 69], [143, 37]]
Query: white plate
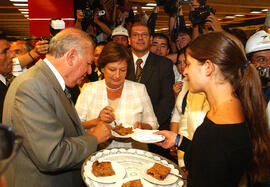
[[170, 179], [147, 136], [119, 170], [144, 182]]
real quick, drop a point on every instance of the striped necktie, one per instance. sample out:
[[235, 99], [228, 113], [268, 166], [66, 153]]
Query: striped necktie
[[139, 70]]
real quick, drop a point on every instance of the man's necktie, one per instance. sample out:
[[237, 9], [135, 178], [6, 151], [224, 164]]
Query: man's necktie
[[68, 94], [139, 70]]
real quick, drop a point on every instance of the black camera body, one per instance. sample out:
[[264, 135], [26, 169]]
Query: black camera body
[[199, 15], [264, 72], [90, 8]]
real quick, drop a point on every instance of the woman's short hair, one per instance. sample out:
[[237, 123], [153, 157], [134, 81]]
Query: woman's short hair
[[113, 52]]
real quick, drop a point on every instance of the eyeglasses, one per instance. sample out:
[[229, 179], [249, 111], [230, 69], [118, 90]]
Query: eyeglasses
[[262, 59], [10, 145], [143, 35]]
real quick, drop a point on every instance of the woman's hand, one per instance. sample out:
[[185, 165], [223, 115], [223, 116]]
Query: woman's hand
[[106, 114], [140, 125], [169, 139], [177, 87]]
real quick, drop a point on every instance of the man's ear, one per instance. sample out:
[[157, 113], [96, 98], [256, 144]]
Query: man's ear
[[209, 67], [71, 56], [128, 40]]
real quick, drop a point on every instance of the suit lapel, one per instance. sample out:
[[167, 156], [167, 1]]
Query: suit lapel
[[131, 71], [148, 68], [64, 100]]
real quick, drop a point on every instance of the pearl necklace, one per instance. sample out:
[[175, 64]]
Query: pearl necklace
[[114, 89]]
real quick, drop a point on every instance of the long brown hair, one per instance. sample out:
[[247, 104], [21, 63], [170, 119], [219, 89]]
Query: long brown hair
[[225, 51]]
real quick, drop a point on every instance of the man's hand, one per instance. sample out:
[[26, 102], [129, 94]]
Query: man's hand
[[102, 132], [41, 47], [213, 22]]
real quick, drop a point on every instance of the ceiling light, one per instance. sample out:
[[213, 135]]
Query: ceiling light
[[18, 4], [230, 17], [239, 15], [255, 12], [264, 10], [151, 4], [19, 1], [23, 9], [24, 12], [219, 19], [145, 7], [26, 16]]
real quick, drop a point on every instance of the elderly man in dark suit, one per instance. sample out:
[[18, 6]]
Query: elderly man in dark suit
[[155, 72], [36, 106]]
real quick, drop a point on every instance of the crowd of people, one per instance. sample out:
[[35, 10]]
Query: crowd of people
[[59, 99]]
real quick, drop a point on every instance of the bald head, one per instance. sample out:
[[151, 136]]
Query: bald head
[[68, 39]]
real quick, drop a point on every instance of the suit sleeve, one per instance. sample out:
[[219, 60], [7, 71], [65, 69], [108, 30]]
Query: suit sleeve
[[49, 139], [167, 99]]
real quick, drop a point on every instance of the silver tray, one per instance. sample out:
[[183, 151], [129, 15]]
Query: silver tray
[[132, 160]]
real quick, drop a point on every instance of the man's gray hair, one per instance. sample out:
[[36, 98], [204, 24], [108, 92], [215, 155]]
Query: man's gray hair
[[68, 39]]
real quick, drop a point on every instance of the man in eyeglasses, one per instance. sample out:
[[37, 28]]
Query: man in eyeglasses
[[156, 73], [39, 108]]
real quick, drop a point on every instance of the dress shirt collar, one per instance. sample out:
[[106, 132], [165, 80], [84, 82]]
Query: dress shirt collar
[[56, 73], [135, 58], [3, 79]]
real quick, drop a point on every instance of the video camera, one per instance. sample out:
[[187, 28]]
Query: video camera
[[264, 72], [89, 10], [199, 15]]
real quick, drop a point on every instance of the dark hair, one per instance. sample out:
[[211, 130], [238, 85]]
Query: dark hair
[[163, 36], [186, 30], [229, 56], [113, 52], [138, 24], [201, 2], [3, 36]]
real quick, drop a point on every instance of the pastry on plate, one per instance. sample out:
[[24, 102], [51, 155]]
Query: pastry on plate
[[133, 183], [102, 169], [159, 171], [123, 131]]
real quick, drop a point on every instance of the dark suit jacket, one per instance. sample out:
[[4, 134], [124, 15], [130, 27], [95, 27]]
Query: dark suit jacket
[[158, 77], [55, 144], [3, 91]]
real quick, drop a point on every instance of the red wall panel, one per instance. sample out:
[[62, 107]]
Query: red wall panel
[[40, 13]]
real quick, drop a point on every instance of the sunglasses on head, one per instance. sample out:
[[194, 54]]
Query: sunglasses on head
[[9, 146]]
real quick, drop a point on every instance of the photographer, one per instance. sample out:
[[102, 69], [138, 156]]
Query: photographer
[[203, 18], [258, 52], [93, 24]]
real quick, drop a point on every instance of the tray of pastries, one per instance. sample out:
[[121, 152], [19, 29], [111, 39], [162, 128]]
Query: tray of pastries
[[129, 164]]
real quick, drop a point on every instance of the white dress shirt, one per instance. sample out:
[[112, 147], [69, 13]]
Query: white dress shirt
[[56, 73], [3, 79], [135, 58]]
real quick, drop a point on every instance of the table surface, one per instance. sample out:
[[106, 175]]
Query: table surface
[[132, 160]]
